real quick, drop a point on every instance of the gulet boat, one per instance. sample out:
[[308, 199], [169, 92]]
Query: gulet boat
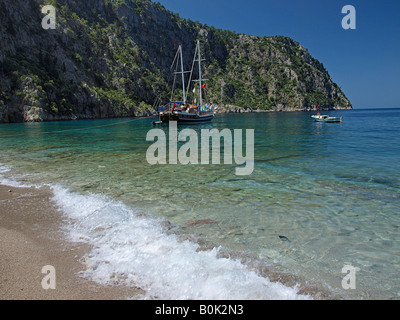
[[182, 111]]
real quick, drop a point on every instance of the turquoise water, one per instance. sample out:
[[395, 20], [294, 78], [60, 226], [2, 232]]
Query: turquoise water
[[321, 196]]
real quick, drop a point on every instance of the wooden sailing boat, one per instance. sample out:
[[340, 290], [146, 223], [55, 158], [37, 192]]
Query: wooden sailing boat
[[182, 111]]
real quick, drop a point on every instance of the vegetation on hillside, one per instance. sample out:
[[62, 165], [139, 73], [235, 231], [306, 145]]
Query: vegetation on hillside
[[112, 58]]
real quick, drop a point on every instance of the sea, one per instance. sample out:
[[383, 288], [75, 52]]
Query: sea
[[320, 209]]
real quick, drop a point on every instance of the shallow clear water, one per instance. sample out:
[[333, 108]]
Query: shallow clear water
[[331, 191]]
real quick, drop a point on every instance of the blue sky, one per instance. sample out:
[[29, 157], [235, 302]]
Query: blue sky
[[364, 62]]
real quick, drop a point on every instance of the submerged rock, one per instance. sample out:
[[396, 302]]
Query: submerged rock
[[196, 223], [284, 238]]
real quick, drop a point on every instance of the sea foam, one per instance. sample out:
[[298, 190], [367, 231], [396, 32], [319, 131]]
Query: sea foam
[[134, 249], [6, 178]]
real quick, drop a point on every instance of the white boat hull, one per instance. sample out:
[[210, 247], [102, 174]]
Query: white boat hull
[[325, 118]]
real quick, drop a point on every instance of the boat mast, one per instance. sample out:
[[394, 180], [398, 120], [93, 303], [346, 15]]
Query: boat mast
[[201, 97], [183, 76], [176, 64]]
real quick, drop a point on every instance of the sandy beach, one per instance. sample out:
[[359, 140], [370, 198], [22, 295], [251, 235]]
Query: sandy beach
[[31, 238]]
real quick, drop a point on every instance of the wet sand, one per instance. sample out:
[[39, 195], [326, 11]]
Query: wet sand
[[31, 238]]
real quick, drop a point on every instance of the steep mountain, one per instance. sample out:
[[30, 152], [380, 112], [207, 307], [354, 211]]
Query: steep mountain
[[112, 59]]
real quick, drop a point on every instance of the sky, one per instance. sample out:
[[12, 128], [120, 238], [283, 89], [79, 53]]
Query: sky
[[364, 62]]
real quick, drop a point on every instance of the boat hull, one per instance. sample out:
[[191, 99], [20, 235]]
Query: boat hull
[[186, 117], [328, 119], [200, 119]]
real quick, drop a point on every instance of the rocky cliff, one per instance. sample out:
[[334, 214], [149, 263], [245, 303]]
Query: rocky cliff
[[112, 59]]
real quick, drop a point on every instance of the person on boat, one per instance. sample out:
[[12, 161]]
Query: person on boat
[[174, 107]]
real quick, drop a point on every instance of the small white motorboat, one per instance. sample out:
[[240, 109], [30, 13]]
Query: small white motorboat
[[326, 118]]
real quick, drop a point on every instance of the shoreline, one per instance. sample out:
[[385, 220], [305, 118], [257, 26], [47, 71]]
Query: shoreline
[[223, 110], [236, 109], [31, 238]]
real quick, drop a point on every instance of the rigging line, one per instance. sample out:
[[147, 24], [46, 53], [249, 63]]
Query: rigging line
[[176, 54], [173, 86], [191, 72]]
